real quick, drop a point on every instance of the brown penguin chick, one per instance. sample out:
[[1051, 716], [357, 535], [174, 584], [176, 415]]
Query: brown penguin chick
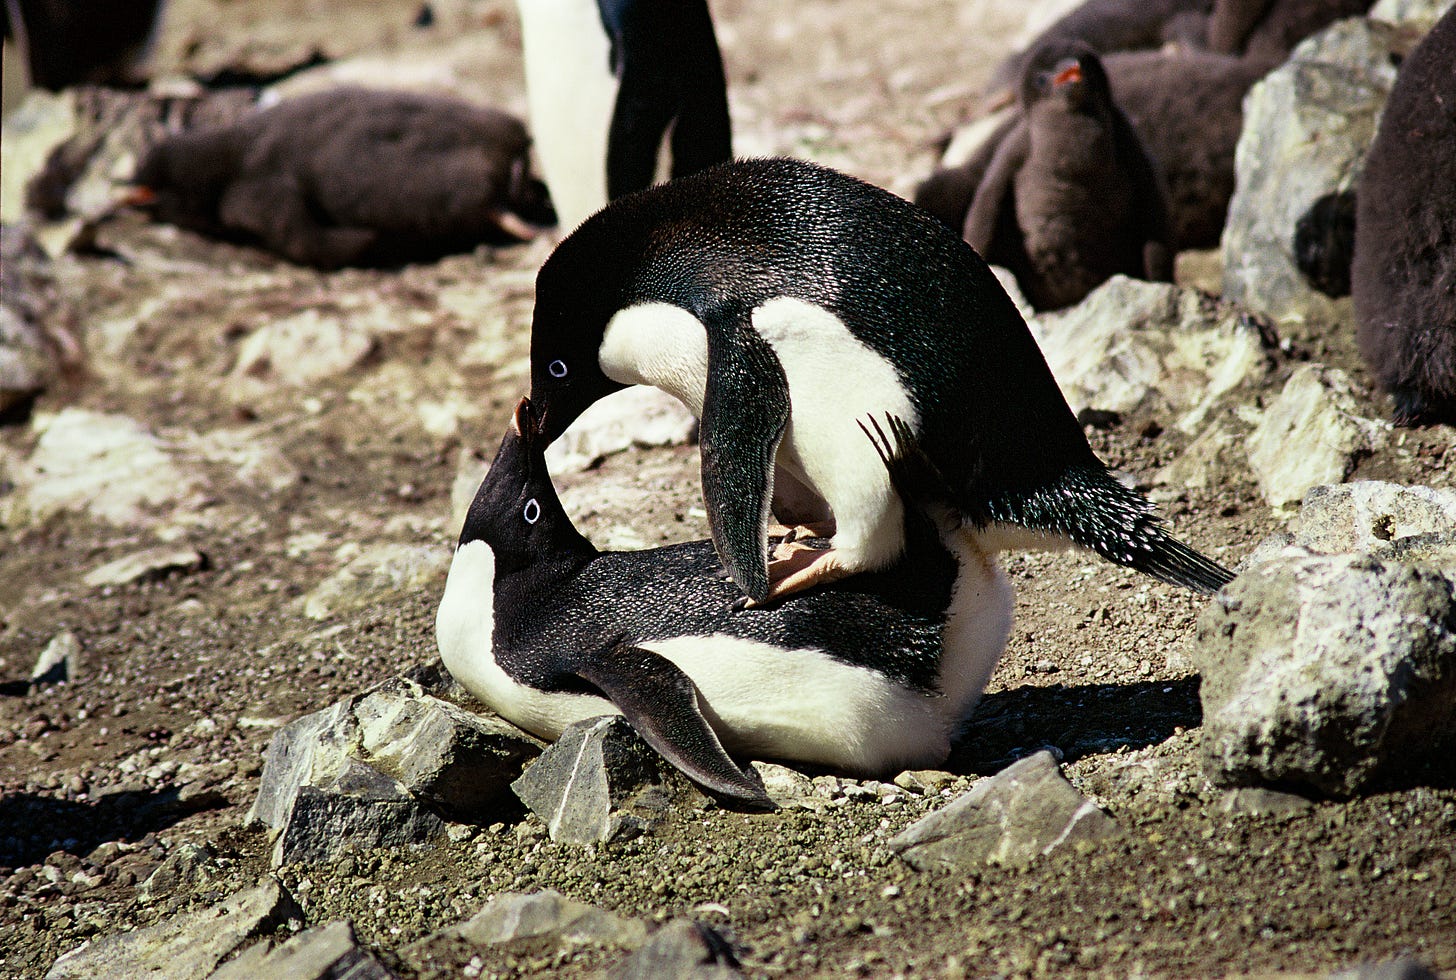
[[1188, 108], [1071, 197], [947, 193], [1403, 278], [351, 177], [1106, 26], [1265, 31]]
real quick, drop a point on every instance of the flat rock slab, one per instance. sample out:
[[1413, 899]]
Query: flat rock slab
[[382, 570], [326, 952], [151, 563], [598, 782], [1023, 812], [681, 950], [636, 416], [549, 917], [1324, 672], [184, 946]]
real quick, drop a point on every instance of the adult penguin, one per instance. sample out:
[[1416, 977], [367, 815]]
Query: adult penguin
[[606, 81], [781, 301], [1403, 277], [1071, 197]]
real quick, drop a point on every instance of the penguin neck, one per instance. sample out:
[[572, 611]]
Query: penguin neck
[[661, 345]]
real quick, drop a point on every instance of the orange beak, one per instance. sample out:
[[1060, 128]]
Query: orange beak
[[136, 196], [1071, 73]]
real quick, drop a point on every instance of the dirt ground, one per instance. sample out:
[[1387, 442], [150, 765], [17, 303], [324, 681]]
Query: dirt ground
[[156, 748]]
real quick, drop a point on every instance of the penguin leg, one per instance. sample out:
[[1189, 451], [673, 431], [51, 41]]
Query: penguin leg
[[661, 703], [804, 567], [745, 413]]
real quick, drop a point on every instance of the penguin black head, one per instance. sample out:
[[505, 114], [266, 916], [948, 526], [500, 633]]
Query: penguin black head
[[1066, 70], [516, 511], [578, 290], [181, 180]]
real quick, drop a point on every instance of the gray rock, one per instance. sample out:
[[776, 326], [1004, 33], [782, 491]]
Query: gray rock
[[1133, 344], [1325, 673], [599, 782], [1422, 14], [380, 571], [1401, 968], [1257, 801], [305, 348], [1370, 516], [372, 770], [1307, 125], [1312, 434], [36, 343], [106, 466], [184, 946], [461, 763], [1208, 459], [547, 917], [1025, 811], [636, 416], [326, 952], [188, 864], [151, 563], [59, 662], [683, 949]]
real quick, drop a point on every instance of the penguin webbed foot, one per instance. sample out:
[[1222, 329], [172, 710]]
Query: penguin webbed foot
[[804, 567]]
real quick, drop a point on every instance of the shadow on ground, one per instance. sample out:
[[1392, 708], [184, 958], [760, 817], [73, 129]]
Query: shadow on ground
[[1088, 719]]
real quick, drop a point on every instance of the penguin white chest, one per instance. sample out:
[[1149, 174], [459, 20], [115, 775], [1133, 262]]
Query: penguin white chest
[[835, 382], [464, 631], [661, 345], [571, 94]]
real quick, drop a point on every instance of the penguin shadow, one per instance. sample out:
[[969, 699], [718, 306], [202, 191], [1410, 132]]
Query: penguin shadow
[[1073, 720], [33, 826]]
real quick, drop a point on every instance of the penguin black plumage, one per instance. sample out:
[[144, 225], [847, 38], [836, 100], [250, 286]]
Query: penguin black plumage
[[68, 42], [607, 81], [1071, 196], [869, 677], [780, 301], [351, 176], [1403, 277]]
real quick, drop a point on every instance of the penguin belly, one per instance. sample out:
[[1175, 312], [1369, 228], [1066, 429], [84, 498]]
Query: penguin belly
[[464, 632], [835, 382], [571, 93]]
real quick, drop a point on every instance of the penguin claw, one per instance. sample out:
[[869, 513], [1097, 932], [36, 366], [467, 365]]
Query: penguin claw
[[803, 569]]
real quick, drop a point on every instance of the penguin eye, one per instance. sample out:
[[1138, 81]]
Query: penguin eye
[[532, 511], [557, 369]]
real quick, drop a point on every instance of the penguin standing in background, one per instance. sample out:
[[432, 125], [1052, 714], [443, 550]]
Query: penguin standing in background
[[1071, 198], [351, 176], [70, 42], [1403, 277], [606, 81], [781, 301], [869, 678]]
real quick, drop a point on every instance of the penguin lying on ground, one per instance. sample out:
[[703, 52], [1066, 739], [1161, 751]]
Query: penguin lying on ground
[[781, 301], [1265, 31], [351, 177], [1403, 278], [606, 81], [1071, 197], [869, 678]]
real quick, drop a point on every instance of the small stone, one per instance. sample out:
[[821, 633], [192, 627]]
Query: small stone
[[59, 662], [517, 918], [683, 949], [1257, 801], [599, 782], [783, 785], [189, 864], [380, 571], [1025, 811], [153, 563]]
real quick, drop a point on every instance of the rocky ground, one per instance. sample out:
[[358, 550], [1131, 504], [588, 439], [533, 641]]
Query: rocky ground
[[283, 453]]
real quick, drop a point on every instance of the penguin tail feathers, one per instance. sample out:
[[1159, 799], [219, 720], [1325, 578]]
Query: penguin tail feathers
[[1099, 512]]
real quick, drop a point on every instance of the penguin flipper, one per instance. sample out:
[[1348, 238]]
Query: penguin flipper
[[661, 703], [745, 413], [988, 203]]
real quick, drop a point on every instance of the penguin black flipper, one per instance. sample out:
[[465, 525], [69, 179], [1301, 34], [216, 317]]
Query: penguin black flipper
[[994, 198], [739, 439], [660, 702]]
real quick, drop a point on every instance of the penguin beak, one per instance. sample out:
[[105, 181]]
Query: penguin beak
[[523, 421], [136, 196], [1067, 72]]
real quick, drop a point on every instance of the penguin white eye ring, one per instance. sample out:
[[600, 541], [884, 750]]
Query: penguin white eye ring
[[557, 368], [532, 511]]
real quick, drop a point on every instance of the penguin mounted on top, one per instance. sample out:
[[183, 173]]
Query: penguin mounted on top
[[781, 301], [868, 678], [607, 81]]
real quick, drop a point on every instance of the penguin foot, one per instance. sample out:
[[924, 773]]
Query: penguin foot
[[802, 569], [792, 543]]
